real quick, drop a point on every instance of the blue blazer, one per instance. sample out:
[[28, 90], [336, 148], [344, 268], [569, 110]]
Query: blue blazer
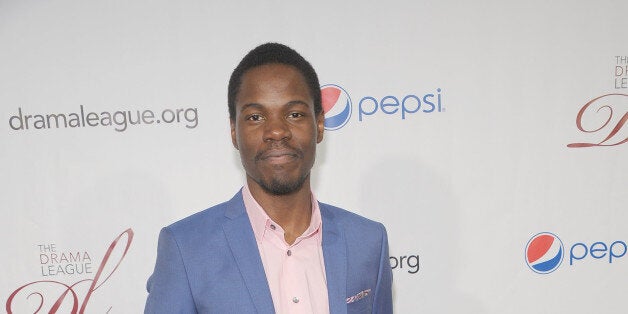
[[209, 263]]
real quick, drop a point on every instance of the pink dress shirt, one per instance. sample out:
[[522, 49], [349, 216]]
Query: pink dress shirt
[[296, 272]]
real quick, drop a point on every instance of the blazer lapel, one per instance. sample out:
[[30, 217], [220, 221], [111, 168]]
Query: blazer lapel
[[241, 239], [335, 256]]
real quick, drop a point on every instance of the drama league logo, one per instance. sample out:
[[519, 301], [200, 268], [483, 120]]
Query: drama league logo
[[544, 253], [606, 117], [336, 106], [52, 295]]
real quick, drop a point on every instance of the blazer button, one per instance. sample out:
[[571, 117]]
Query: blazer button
[[295, 300]]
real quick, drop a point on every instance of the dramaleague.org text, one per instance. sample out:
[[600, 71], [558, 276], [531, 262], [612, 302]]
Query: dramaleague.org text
[[120, 119]]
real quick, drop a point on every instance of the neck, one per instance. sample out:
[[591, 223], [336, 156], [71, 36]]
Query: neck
[[293, 212]]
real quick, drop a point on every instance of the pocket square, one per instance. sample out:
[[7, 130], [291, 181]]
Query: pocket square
[[361, 295]]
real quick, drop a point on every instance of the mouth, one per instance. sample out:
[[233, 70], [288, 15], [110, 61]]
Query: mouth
[[278, 156]]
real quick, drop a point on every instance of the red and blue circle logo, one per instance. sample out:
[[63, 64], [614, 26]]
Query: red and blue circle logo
[[544, 253], [336, 106]]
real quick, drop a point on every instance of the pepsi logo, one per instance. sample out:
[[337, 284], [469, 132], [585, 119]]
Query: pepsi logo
[[336, 106], [544, 253]]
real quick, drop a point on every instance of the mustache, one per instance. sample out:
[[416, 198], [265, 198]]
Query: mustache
[[278, 149]]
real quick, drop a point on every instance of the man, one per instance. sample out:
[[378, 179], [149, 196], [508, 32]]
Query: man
[[273, 248]]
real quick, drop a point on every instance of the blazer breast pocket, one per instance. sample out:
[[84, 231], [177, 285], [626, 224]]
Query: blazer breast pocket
[[362, 302]]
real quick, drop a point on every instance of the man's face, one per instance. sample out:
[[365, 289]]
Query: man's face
[[275, 128]]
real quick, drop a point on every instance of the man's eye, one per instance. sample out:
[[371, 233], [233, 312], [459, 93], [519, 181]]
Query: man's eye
[[254, 117], [295, 115]]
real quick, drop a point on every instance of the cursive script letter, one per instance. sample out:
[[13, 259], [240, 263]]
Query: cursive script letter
[[613, 130]]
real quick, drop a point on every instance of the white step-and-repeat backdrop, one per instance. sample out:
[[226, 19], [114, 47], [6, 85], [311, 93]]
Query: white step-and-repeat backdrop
[[490, 137]]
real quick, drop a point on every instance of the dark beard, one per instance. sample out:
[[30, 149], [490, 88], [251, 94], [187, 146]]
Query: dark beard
[[280, 187]]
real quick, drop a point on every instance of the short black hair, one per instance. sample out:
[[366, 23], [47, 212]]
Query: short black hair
[[270, 53]]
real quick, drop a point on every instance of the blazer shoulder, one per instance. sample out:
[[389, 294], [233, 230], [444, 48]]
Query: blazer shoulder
[[211, 217], [348, 219]]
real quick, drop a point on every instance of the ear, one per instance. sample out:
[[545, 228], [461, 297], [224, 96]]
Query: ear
[[234, 140], [320, 127]]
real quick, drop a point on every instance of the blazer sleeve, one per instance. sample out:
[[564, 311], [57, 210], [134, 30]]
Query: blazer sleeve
[[382, 301], [168, 287]]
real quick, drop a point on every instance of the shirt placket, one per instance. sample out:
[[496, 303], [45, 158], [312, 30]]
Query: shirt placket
[[294, 295]]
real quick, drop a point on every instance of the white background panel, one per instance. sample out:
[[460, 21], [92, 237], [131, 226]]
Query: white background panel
[[464, 189]]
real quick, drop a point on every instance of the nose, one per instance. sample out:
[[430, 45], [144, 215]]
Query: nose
[[277, 129]]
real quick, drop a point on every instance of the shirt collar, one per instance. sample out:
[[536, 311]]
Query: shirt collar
[[260, 221]]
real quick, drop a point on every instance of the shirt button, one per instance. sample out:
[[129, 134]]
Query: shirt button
[[273, 227], [295, 300], [290, 254]]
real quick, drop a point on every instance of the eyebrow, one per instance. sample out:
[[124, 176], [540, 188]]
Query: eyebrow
[[250, 105], [260, 106], [297, 102]]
